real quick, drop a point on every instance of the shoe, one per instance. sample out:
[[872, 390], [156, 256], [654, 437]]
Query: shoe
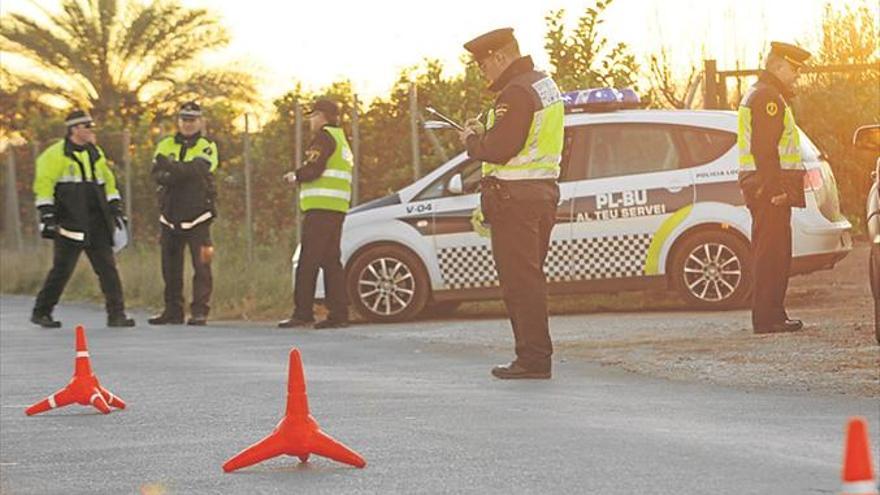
[[294, 322], [331, 324], [515, 370], [166, 319], [784, 327], [45, 321], [197, 321], [120, 320]]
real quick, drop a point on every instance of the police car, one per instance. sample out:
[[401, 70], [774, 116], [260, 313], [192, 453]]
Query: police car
[[649, 199]]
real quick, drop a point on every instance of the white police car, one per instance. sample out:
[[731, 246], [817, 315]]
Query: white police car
[[649, 200]]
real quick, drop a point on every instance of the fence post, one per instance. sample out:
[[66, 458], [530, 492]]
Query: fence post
[[126, 162], [248, 213], [297, 163], [414, 130], [12, 207], [710, 74], [355, 149]]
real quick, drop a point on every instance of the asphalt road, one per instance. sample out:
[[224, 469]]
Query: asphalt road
[[425, 414]]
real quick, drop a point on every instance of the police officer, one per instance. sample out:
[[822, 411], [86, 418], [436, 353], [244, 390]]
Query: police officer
[[521, 147], [771, 178], [324, 198], [184, 166], [80, 208]]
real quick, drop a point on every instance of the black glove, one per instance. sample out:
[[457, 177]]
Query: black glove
[[116, 208], [48, 222], [161, 170]]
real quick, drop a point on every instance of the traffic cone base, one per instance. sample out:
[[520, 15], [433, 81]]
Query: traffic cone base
[[83, 388], [858, 469], [297, 434]]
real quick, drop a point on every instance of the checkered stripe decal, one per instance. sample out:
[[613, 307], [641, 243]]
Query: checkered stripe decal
[[472, 267]]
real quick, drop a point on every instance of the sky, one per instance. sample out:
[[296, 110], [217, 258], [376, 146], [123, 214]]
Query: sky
[[369, 42]]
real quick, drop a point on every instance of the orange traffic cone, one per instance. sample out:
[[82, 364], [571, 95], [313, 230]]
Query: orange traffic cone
[[297, 434], [858, 471], [83, 387]]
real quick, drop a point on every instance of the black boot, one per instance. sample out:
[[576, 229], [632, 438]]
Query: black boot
[[197, 320], [119, 320], [295, 321], [45, 321], [166, 319]]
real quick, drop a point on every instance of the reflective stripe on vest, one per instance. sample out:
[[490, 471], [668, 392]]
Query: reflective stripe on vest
[[542, 151], [789, 145], [331, 191]]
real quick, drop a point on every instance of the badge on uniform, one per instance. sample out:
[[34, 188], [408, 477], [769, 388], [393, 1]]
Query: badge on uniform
[[500, 110], [772, 108], [207, 150]]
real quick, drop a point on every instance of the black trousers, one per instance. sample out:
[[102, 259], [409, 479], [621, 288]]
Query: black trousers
[[201, 251], [771, 253], [65, 255], [321, 236], [520, 241]]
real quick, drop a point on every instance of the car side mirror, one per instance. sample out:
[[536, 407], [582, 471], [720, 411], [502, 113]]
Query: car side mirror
[[454, 185], [867, 137]]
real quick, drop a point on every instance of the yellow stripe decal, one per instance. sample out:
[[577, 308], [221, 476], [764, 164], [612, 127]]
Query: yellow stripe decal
[[652, 262]]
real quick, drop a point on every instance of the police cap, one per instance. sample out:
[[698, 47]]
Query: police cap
[[328, 107], [78, 117], [190, 111], [792, 54], [483, 46]]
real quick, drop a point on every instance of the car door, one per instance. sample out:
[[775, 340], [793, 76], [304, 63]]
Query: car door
[[623, 209], [464, 256]]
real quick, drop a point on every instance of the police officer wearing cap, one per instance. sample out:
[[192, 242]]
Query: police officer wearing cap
[[771, 178], [324, 197], [80, 208], [183, 168], [521, 148]]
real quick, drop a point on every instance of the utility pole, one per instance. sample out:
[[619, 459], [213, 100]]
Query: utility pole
[[414, 130]]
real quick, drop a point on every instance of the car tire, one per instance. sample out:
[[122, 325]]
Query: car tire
[[388, 283], [712, 270]]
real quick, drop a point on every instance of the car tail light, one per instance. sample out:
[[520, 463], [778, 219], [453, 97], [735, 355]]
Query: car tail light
[[813, 179]]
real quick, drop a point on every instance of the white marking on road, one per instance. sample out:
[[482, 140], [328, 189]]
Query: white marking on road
[[8, 464]]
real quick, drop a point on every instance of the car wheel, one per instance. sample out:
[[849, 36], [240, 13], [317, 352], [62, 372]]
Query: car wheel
[[712, 270], [874, 265], [388, 283]]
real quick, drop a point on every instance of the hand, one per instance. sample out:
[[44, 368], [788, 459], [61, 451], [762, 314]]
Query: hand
[[475, 125], [48, 224], [289, 177], [779, 200], [162, 161]]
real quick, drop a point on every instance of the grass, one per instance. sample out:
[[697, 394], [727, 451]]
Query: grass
[[255, 290]]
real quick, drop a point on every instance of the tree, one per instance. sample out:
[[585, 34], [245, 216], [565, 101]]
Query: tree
[[584, 58], [120, 58]]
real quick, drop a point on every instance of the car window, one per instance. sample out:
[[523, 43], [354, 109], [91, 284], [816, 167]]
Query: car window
[[705, 145], [471, 172], [626, 149], [574, 155]]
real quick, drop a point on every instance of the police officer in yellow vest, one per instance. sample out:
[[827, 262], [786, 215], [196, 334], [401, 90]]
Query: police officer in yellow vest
[[79, 207], [771, 178], [184, 169], [521, 147], [324, 197]]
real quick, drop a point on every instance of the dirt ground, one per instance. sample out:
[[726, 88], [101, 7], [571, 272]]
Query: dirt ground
[[835, 353]]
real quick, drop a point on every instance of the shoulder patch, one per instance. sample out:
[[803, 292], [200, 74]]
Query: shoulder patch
[[772, 108], [500, 110], [207, 150], [312, 154]]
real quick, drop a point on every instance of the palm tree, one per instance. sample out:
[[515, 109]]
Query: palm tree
[[121, 58]]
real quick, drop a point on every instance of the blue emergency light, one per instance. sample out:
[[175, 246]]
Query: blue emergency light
[[600, 100]]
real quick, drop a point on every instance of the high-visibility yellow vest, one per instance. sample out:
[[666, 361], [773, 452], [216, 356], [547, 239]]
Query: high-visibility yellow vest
[[789, 145], [203, 148], [331, 191], [541, 153], [55, 169]]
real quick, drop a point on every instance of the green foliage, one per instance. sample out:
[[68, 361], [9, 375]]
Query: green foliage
[[584, 58], [122, 58], [831, 106]]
